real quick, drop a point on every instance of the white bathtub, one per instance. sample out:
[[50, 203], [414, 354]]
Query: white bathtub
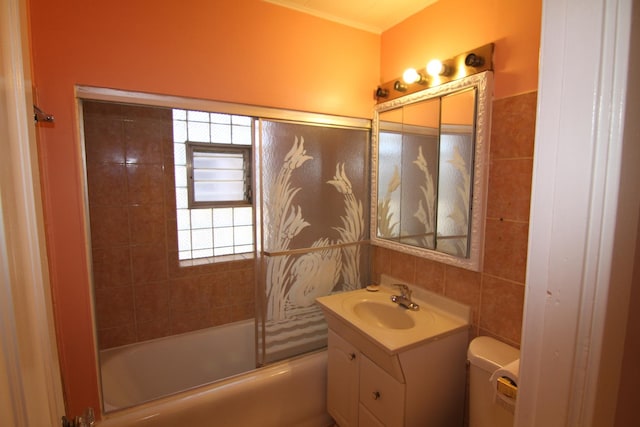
[[141, 372], [288, 393]]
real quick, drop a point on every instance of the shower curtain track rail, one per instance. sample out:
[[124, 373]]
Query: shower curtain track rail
[[320, 248]]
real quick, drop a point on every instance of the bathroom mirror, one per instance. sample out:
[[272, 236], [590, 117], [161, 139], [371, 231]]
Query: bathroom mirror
[[430, 171]]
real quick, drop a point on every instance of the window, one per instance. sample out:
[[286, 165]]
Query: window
[[218, 175], [212, 154]]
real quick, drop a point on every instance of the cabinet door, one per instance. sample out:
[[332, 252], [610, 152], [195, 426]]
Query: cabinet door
[[342, 381]]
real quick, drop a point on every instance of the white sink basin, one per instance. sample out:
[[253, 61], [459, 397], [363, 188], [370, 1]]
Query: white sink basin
[[383, 315], [386, 324]]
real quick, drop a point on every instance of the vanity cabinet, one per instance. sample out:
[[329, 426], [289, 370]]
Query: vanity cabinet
[[392, 367], [419, 387]]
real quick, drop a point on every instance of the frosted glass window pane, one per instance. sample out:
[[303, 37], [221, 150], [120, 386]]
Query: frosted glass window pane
[[242, 120], [220, 118], [220, 176], [179, 131], [198, 132], [179, 114], [243, 235], [184, 219], [201, 218], [220, 134], [201, 239], [202, 253], [223, 251], [223, 236], [180, 153], [207, 160], [183, 255], [184, 240], [243, 249], [181, 176], [204, 192], [182, 198], [222, 217], [243, 216], [198, 116], [241, 135]]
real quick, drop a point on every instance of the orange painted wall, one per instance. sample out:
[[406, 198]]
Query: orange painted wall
[[244, 51], [449, 27]]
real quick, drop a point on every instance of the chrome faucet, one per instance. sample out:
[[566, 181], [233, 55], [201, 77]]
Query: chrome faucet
[[404, 299]]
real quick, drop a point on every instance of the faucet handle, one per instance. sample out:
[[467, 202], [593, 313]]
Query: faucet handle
[[404, 290]]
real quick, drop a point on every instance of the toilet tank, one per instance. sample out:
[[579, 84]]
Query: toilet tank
[[485, 355]]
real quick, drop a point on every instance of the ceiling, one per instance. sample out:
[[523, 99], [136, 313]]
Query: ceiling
[[374, 16]]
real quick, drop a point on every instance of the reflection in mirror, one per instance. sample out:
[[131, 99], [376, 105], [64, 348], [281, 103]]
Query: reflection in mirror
[[430, 160], [455, 172]]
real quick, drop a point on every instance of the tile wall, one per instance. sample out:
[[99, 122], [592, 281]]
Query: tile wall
[[496, 295], [141, 290]]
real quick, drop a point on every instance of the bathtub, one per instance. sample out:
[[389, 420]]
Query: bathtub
[[287, 393]]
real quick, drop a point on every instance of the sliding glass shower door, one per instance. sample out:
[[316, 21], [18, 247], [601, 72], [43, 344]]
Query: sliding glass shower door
[[314, 218]]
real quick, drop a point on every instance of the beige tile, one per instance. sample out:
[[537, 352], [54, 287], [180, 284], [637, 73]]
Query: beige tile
[[505, 253], [101, 109], [509, 193], [116, 336], [147, 224], [145, 183], [187, 294], [143, 142], [501, 307], [107, 184], [402, 266], [464, 286], [104, 140], [190, 321], [158, 328], [513, 126], [242, 312], [151, 302], [149, 263], [114, 307], [111, 266], [109, 226], [430, 275]]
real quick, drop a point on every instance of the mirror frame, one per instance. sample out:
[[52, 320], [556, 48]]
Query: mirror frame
[[484, 84]]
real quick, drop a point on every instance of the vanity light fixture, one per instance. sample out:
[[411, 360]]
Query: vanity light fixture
[[381, 93], [473, 60], [437, 72], [398, 86], [411, 75], [436, 68]]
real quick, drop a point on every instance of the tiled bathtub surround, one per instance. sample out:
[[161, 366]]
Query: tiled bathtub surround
[[141, 291], [496, 295]]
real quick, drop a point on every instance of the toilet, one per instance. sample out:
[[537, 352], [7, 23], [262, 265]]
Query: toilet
[[485, 356]]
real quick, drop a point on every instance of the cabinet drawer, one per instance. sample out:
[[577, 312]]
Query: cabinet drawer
[[381, 393], [366, 418]]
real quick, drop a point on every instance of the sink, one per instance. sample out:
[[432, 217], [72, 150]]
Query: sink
[[383, 315], [372, 316]]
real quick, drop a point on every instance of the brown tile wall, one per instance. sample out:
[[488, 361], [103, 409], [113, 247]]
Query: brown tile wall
[[496, 295], [141, 291]]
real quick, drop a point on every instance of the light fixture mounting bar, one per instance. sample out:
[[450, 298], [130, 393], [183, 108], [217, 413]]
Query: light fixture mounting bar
[[464, 64]]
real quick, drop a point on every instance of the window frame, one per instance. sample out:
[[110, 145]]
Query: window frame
[[245, 150]]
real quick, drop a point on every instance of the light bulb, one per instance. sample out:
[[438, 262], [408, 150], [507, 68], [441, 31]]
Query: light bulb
[[411, 76], [435, 68]]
